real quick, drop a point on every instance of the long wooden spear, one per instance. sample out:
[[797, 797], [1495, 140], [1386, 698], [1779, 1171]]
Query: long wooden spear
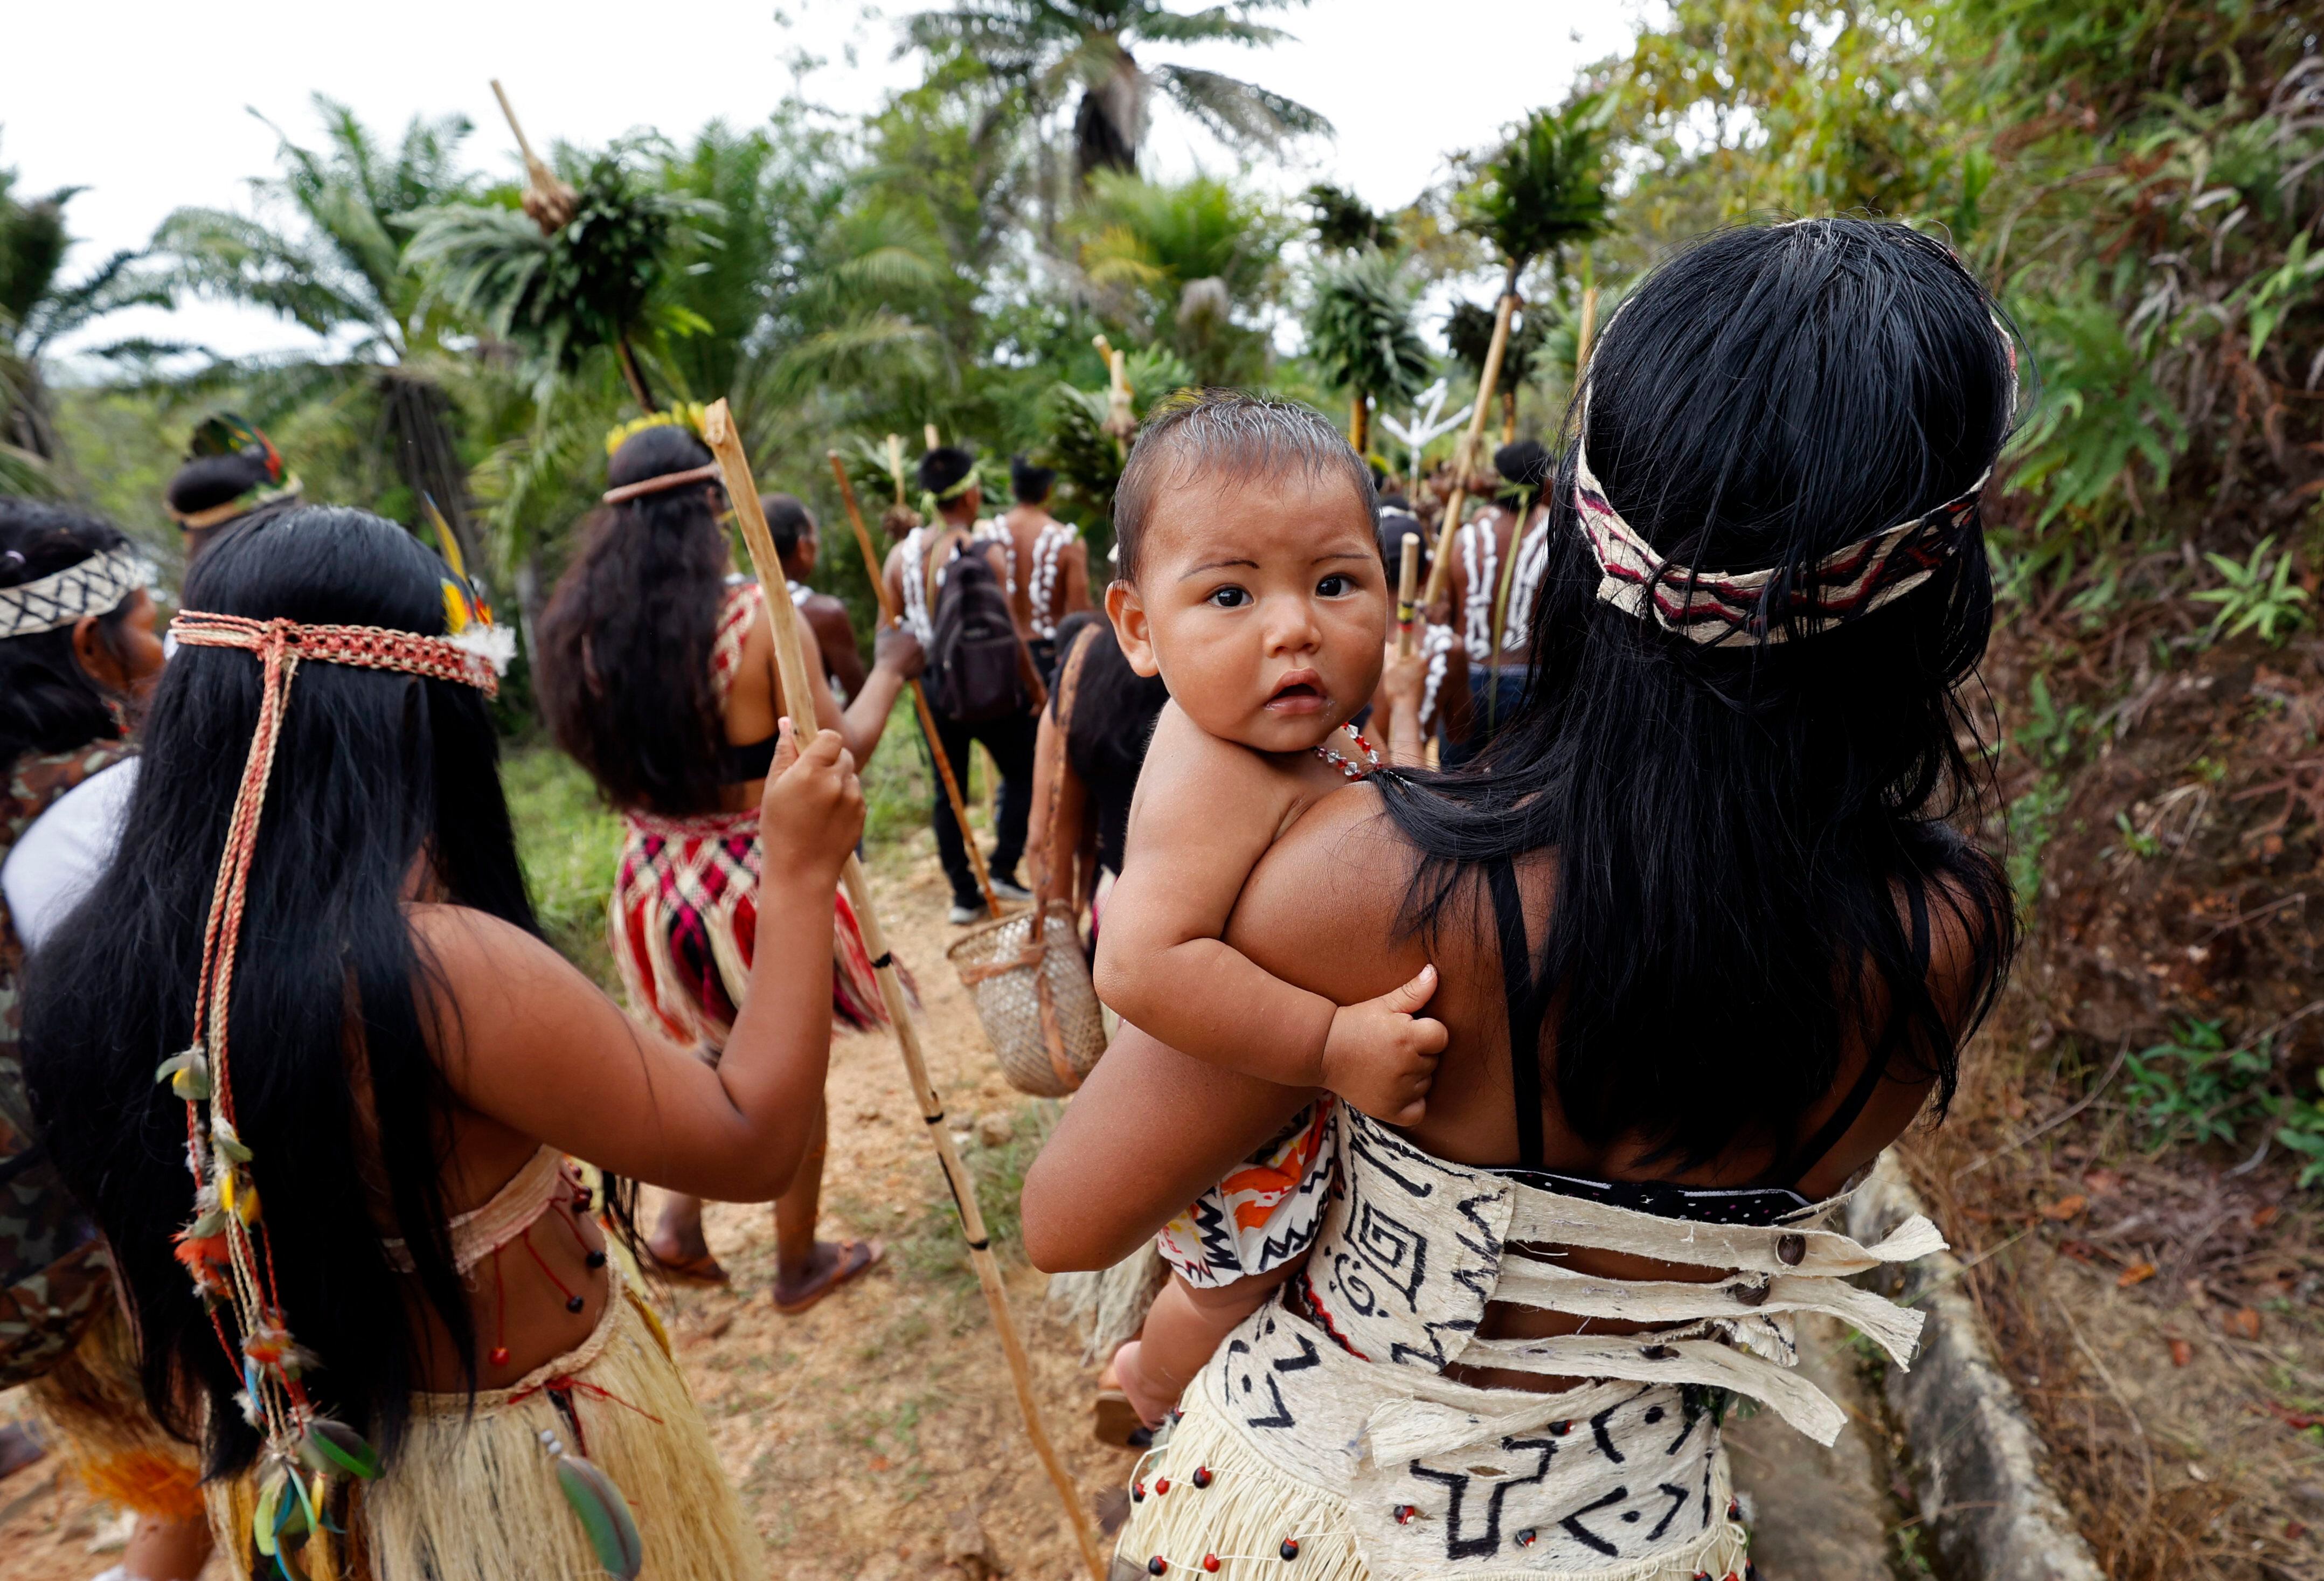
[[1465, 456], [798, 702], [919, 692]]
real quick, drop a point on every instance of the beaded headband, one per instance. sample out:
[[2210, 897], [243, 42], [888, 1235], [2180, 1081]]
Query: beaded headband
[[225, 1248], [91, 587], [668, 480]]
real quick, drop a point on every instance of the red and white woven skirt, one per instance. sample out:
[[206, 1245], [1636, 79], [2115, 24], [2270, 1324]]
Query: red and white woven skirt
[[685, 918]]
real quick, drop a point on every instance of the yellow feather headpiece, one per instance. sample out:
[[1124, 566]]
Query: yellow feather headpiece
[[685, 414]]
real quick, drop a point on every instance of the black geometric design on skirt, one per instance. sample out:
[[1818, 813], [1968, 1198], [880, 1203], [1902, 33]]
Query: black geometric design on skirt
[[1488, 1542]]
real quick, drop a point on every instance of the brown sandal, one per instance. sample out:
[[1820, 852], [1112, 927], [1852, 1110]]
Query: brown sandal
[[704, 1271], [856, 1257], [1114, 1421]]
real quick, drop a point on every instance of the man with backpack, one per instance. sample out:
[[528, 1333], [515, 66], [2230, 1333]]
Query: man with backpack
[[982, 682]]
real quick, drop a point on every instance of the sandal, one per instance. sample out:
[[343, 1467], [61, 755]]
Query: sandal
[[1115, 1422], [704, 1270], [855, 1258]]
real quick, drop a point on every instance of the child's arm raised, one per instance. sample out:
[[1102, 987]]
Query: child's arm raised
[[1206, 812]]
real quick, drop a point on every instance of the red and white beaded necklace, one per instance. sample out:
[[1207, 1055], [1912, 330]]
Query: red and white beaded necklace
[[1352, 767]]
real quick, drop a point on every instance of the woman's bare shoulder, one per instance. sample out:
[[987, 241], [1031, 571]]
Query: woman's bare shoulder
[[1323, 908]]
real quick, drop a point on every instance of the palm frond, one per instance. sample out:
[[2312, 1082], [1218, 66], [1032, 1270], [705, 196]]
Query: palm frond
[[1361, 330], [1545, 189], [1242, 114]]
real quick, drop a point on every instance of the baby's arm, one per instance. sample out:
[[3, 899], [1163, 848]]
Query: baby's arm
[[1206, 812]]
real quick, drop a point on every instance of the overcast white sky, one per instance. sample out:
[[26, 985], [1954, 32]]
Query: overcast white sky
[[146, 104]]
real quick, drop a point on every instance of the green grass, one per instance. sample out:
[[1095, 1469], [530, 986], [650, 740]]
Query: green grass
[[571, 842]]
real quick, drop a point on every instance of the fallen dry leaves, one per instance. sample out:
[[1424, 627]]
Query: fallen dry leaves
[[2065, 1207], [2137, 1273]]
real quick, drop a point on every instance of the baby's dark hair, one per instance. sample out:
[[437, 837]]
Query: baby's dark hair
[[1213, 431]]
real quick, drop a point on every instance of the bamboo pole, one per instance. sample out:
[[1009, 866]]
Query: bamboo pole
[[919, 693], [1407, 589], [1465, 457], [1587, 335], [799, 701]]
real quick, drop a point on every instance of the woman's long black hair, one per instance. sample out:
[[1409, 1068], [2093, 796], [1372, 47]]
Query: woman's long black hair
[[1734, 828], [376, 772], [47, 702], [625, 644]]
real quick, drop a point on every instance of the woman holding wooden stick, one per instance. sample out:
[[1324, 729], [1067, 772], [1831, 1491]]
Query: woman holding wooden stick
[[657, 674], [361, 1274]]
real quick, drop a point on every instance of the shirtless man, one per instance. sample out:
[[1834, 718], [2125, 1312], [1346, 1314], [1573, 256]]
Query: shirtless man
[[1481, 557], [1048, 563], [798, 545]]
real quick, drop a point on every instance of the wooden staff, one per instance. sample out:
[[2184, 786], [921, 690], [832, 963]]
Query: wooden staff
[[929, 432], [919, 692], [1465, 456], [1587, 334], [799, 701], [1408, 589]]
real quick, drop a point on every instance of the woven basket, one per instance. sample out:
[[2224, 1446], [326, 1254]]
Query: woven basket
[[1033, 994]]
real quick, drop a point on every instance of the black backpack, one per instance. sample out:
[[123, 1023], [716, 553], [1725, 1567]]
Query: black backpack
[[973, 674]]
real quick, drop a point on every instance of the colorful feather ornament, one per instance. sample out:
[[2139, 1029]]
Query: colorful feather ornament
[[605, 1514]]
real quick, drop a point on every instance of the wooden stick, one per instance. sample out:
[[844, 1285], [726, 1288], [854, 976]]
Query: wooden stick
[[799, 701], [919, 693], [895, 474], [1465, 457], [548, 201], [1408, 589], [1588, 334], [929, 432]]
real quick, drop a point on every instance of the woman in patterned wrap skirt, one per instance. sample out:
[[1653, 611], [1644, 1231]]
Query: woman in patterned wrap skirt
[[657, 675]]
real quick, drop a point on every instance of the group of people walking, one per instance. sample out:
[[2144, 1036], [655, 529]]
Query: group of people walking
[[1488, 1103]]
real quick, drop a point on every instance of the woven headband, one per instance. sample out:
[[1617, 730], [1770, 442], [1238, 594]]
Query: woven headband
[[1713, 606], [95, 586], [224, 1247], [668, 480]]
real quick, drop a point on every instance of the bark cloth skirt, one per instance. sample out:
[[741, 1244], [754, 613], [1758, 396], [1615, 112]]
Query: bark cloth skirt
[[1323, 1442]]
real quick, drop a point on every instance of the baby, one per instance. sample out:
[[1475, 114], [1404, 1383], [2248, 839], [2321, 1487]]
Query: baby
[[1250, 581]]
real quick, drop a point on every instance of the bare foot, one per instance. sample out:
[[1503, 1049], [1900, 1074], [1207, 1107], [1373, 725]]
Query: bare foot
[[1151, 1397], [833, 1264]]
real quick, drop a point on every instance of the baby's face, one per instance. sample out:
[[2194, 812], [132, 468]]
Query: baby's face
[[1262, 605]]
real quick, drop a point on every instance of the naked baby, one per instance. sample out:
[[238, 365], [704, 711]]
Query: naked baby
[[1250, 581]]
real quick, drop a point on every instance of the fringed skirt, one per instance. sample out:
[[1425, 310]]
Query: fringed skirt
[[683, 921], [474, 1497], [94, 1407], [1207, 1492]]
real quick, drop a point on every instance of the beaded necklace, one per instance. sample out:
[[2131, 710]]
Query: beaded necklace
[[1350, 767]]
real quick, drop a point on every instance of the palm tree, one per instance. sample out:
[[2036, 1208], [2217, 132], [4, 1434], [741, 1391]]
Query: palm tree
[[1359, 332], [560, 292], [1048, 49], [326, 249], [1176, 263], [1469, 336], [1543, 191], [37, 307]]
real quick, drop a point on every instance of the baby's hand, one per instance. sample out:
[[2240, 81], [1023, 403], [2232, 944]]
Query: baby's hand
[[1382, 1057]]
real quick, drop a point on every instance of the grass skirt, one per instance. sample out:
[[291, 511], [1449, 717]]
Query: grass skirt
[[474, 1498], [95, 1409], [1250, 1507]]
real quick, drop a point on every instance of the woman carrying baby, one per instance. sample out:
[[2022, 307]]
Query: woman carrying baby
[[1705, 944]]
